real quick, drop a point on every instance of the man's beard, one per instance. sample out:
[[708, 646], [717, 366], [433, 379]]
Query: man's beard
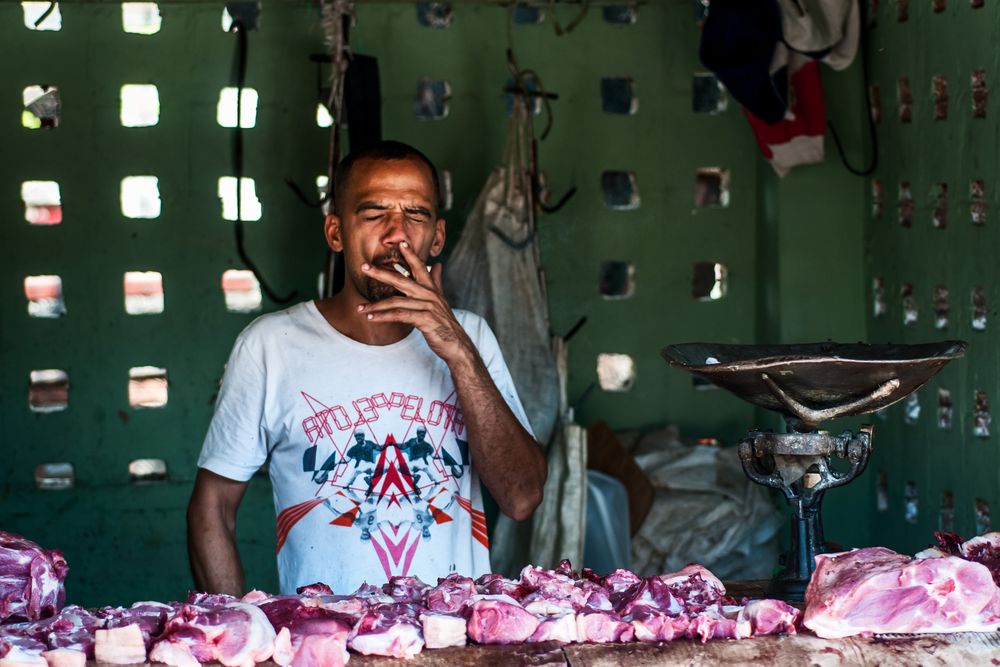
[[375, 290]]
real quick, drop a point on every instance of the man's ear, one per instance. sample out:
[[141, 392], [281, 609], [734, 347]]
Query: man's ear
[[333, 233], [438, 244]]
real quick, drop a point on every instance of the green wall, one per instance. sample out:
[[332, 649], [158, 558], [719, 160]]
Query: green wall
[[960, 256], [793, 247]]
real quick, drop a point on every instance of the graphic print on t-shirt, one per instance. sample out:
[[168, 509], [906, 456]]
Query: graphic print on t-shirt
[[390, 488]]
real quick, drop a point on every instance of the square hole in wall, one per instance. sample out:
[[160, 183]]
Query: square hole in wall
[[143, 292], [977, 201], [37, 15], [615, 372], [882, 492], [979, 93], [323, 117], [147, 387], [708, 95], [976, 4], [431, 101], [533, 103], [982, 514], [322, 189], [527, 15], [979, 308], [902, 10], [942, 308], [618, 95], [141, 18], [709, 281], [147, 470], [711, 188], [910, 312], [939, 91], [620, 14], [621, 192], [242, 291], [617, 280], [946, 411], [225, 111], [911, 506], [905, 199], [878, 297], [54, 476], [878, 198], [939, 216], [434, 14], [447, 195], [911, 409], [42, 107], [44, 294], [250, 206], [140, 105], [946, 519], [42, 203], [48, 390], [905, 99], [246, 13], [981, 417], [140, 197], [875, 103]]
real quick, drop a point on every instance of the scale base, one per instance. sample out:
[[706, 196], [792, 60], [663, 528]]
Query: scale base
[[785, 586]]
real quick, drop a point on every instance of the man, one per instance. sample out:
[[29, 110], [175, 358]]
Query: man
[[383, 358]]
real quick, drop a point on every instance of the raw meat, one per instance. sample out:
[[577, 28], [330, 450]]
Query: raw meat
[[319, 588], [73, 628], [315, 637], [65, 657], [391, 630], [236, 635], [405, 589], [450, 594], [985, 550], [120, 646], [498, 622], [562, 629], [766, 617], [442, 630], [877, 590], [656, 626], [150, 618], [31, 579], [603, 627]]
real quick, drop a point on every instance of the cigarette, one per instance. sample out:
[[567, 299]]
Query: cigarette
[[402, 270]]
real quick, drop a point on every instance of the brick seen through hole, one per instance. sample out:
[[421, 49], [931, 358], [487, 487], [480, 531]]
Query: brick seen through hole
[[140, 105], [42, 202], [615, 372], [54, 476], [984, 521], [946, 411], [875, 101], [905, 99], [140, 197], [878, 198], [250, 206], [878, 297], [882, 492], [225, 110], [620, 14], [902, 10], [143, 292], [42, 107], [946, 520], [147, 470], [979, 308], [247, 13], [911, 502], [147, 387], [242, 291], [44, 294], [938, 6], [939, 90], [977, 197], [431, 100], [617, 280], [48, 390], [708, 95], [618, 95], [905, 199], [709, 281], [981, 418], [942, 308], [979, 93], [141, 18], [976, 4], [910, 311], [711, 187], [940, 213], [621, 192], [527, 15], [33, 11], [434, 14]]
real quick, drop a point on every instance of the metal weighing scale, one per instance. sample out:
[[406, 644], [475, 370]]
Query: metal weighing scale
[[809, 384]]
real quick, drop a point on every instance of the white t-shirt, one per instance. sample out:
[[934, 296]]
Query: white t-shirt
[[366, 447]]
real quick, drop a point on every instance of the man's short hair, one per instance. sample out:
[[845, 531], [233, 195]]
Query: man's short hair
[[383, 150]]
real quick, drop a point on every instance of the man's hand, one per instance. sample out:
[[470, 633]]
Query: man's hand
[[422, 305]]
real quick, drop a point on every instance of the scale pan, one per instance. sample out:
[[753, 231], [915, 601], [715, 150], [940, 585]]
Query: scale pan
[[816, 381]]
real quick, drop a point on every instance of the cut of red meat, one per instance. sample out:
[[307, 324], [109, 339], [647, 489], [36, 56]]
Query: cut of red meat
[[65, 657], [603, 627], [73, 628], [450, 594], [391, 630], [210, 599], [713, 624], [877, 590], [319, 588], [651, 593], [766, 617], [985, 550], [122, 645], [31, 579], [443, 630], [405, 589], [562, 629], [694, 586], [236, 635], [149, 617], [651, 625], [314, 637], [498, 622]]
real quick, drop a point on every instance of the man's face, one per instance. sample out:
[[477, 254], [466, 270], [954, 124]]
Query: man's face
[[386, 202]]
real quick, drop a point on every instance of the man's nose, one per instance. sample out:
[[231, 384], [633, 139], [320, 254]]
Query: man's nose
[[395, 229]]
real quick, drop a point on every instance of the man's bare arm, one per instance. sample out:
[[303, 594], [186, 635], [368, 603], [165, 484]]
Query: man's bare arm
[[509, 460], [211, 524]]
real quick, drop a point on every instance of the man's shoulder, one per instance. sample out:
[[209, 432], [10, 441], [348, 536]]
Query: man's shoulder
[[278, 322]]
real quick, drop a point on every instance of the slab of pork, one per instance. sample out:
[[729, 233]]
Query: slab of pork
[[236, 634], [499, 622], [31, 579], [443, 630], [390, 629]]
